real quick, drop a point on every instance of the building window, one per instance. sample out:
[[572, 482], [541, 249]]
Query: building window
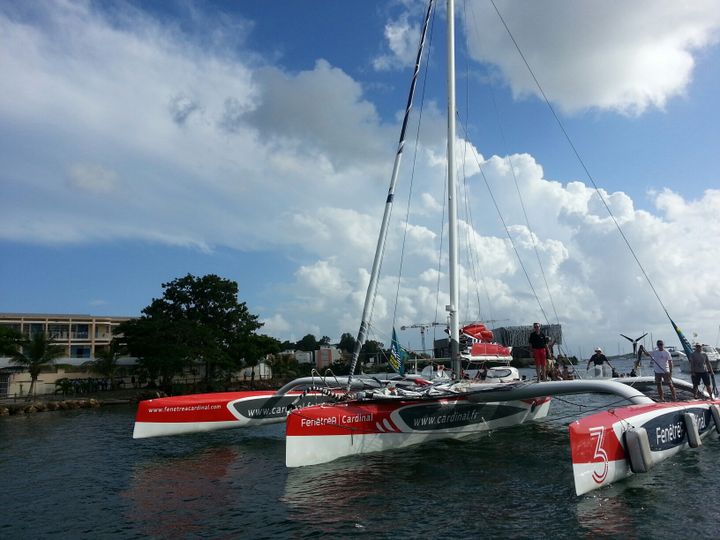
[[58, 331], [36, 329], [79, 351], [80, 331]]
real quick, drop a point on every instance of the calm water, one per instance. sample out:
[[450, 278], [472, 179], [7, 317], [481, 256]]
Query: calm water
[[79, 474]]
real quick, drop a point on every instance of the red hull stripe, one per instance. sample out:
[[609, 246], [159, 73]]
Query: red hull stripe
[[401, 416], [195, 407], [599, 435], [342, 419]]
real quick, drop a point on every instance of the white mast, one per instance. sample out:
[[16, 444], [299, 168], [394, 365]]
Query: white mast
[[452, 199]]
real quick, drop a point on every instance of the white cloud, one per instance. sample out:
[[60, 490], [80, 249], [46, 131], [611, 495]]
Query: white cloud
[[402, 40], [197, 148], [92, 178], [275, 326], [623, 56], [322, 277]]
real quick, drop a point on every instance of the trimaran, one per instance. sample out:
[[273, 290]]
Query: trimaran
[[330, 417]]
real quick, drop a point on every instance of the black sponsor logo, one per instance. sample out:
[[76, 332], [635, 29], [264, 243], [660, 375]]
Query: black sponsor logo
[[437, 416], [668, 431], [273, 406]]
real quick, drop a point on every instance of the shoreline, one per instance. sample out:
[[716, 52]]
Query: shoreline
[[36, 406], [51, 402]]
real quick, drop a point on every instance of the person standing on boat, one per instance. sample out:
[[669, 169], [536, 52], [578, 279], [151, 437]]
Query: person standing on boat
[[598, 359], [701, 369], [538, 345], [662, 365]]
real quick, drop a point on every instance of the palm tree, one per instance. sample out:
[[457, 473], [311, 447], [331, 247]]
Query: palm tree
[[105, 362], [9, 340], [36, 353]]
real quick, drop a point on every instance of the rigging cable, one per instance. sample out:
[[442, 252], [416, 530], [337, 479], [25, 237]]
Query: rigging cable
[[533, 237], [505, 226], [582, 162], [371, 294], [414, 163]]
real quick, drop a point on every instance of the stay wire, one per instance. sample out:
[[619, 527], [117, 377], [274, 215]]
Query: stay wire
[[414, 163], [507, 230], [580, 160], [471, 241], [533, 238]]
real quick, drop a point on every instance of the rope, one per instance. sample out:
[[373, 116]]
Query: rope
[[580, 160], [415, 155], [507, 229]]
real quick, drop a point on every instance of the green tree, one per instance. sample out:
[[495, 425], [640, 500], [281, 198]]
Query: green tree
[[198, 319], [106, 360], [372, 349], [157, 344], [35, 353], [10, 340], [325, 340], [285, 366], [347, 343], [308, 343], [254, 348]]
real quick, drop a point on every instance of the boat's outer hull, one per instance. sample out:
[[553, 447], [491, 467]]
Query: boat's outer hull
[[198, 413], [598, 442], [327, 432]]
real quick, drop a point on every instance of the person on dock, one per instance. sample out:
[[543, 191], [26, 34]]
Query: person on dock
[[599, 359], [538, 345], [700, 369], [662, 366]]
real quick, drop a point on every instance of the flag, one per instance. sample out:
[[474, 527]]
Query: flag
[[397, 355], [685, 343]]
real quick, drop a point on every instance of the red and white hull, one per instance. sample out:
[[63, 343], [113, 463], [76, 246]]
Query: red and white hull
[[199, 413], [599, 443], [327, 432]]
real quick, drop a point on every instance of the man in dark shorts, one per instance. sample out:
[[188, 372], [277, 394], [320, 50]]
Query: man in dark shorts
[[663, 366], [700, 368], [538, 346], [598, 359]]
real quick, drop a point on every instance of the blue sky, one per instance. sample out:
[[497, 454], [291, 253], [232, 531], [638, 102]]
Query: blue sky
[[142, 141]]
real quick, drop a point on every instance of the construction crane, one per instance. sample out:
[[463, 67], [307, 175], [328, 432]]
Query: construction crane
[[423, 327]]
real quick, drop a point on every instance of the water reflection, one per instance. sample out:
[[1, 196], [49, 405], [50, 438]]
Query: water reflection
[[606, 515], [176, 497], [335, 493]]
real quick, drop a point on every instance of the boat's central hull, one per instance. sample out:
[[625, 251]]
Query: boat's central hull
[[326, 432]]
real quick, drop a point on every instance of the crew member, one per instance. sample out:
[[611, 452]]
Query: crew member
[[598, 359], [662, 366], [701, 369], [538, 345]]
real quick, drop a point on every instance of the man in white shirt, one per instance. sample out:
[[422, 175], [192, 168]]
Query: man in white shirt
[[662, 366]]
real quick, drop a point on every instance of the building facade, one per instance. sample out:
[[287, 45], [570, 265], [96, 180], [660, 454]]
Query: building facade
[[82, 335]]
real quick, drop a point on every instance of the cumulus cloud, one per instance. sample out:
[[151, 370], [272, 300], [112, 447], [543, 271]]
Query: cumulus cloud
[[402, 40], [622, 56], [189, 130], [92, 178], [275, 326], [167, 138]]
